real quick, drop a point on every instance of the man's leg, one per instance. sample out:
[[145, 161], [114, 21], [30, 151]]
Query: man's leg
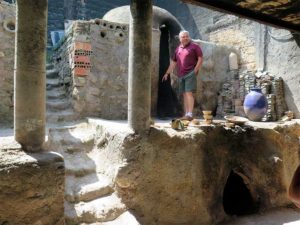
[[190, 102], [185, 103]]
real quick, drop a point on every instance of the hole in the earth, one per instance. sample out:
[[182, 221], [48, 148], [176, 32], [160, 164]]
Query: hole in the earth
[[237, 199], [97, 21], [103, 34], [9, 25]]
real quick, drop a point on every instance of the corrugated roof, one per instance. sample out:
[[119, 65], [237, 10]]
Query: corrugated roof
[[279, 13]]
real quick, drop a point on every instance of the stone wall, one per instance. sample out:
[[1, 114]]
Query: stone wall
[[93, 62], [259, 47], [283, 59], [7, 33], [32, 187], [162, 184]]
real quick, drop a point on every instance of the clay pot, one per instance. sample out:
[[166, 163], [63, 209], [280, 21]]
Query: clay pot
[[255, 105], [207, 116], [207, 112]]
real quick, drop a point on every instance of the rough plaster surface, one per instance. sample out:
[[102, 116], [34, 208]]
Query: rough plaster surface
[[170, 177], [280, 54], [213, 73], [7, 13], [31, 187], [283, 59], [103, 93]]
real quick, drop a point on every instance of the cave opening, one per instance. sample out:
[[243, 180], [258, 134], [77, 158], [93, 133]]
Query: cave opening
[[237, 198]]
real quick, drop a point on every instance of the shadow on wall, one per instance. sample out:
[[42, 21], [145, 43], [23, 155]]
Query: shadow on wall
[[182, 13], [291, 101], [297, 38]]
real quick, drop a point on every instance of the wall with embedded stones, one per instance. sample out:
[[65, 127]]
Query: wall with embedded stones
[[7, 34], [32, 187], [162, 184], [93, 61], [260, 47]]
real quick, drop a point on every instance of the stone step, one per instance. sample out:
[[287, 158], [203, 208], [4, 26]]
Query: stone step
[[87, 188], [56, 93], [62, 116], [103, 209], [55, 105], [79, 138], [125, 219], [52, 73], [79, 164], [49, 66], [52, 82]]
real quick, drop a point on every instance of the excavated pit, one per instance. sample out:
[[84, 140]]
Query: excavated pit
[[203, 175]]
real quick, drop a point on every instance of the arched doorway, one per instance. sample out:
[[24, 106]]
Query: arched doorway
[[237, 198], [167, 102]]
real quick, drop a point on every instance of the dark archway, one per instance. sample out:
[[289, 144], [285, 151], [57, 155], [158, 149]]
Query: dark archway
[[237, 199], [167, 102]]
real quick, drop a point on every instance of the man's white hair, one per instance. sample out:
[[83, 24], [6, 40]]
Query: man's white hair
[[184, 32]]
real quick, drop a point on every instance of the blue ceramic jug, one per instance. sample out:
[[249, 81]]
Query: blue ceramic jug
[[255, 104]]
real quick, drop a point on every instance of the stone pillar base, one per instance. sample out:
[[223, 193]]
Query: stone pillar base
[[31, 188]]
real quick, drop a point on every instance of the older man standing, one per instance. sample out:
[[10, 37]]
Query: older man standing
[[188, 58]]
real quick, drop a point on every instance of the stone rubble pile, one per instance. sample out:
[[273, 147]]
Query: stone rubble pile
[[235, 89]]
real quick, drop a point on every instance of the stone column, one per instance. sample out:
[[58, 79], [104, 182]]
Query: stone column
[[30, 73], [139, 70]]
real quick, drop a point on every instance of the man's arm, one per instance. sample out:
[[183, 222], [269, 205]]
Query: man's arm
[[198, 65], [169, 70]]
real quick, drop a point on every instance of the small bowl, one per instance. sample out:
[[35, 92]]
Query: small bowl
[[207, 112], [207, 117], [236, 119]]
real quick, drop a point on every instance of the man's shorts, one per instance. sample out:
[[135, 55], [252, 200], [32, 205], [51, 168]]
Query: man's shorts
[[188, 83]]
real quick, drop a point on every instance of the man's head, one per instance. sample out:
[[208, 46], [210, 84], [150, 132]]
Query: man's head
[[184, 37]]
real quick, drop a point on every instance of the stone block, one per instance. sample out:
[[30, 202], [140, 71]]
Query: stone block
[[32, 188]]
